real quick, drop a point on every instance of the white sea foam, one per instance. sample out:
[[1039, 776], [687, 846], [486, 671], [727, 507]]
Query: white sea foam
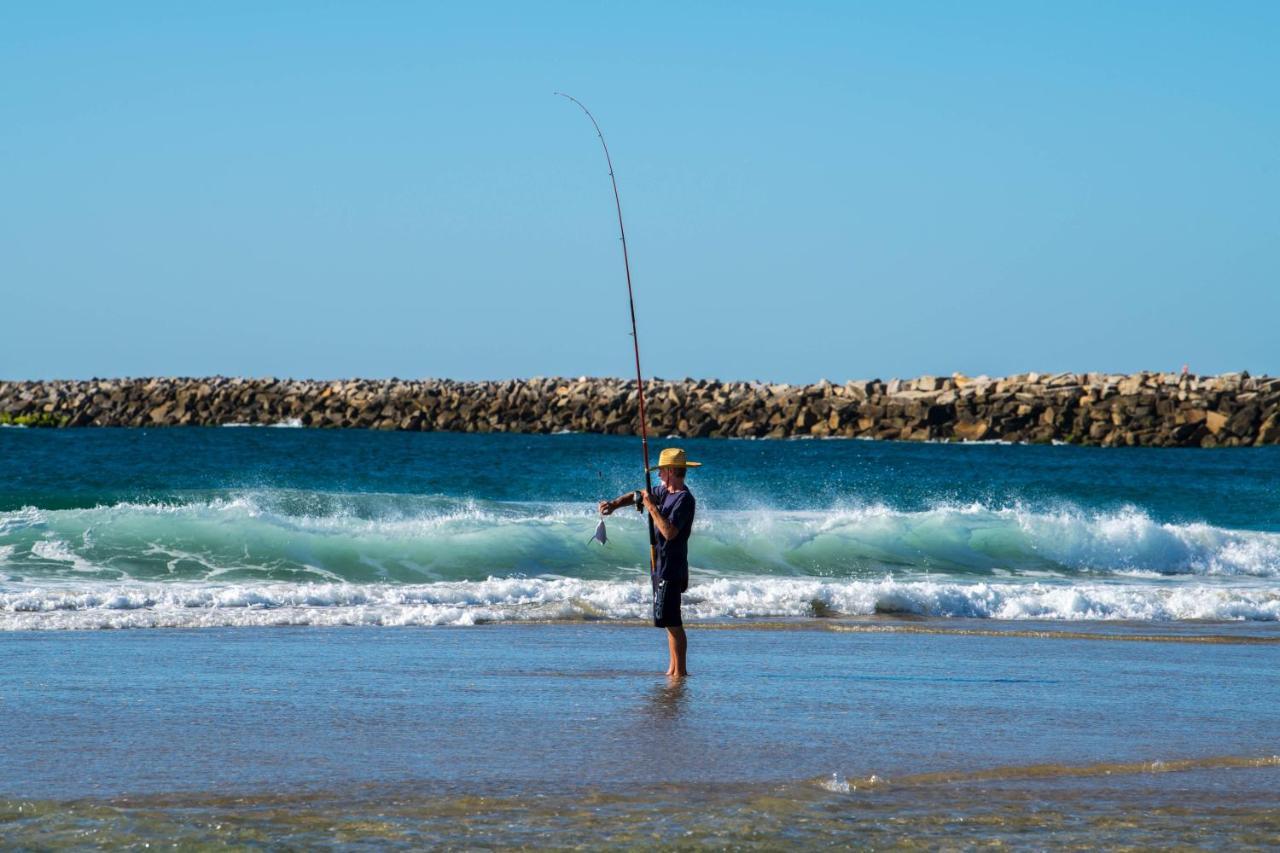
[[25, 605], [57, 551], [294, 423], [836, 784]]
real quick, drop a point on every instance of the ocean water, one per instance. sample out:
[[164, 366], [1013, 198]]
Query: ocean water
[[260, 526], [346, 639]]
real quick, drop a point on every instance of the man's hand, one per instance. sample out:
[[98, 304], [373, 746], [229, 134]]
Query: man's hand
[[665, 527], [608, 507], [648, 501]]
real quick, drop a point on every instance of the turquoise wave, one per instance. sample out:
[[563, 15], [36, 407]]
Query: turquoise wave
[[299, 535]]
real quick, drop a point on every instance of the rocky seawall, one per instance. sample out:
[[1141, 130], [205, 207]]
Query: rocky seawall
[[1143, 409]]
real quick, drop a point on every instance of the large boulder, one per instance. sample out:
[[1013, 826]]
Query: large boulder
[[971, 430]]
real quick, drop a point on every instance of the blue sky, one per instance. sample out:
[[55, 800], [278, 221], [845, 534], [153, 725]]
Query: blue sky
[[811, 190]]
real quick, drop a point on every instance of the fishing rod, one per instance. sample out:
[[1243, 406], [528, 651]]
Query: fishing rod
[[635, 339]]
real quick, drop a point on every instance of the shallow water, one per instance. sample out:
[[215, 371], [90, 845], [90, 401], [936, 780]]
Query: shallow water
[[562, 734]]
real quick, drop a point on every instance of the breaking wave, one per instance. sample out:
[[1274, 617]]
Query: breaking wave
[[292, 557], [298, 536]]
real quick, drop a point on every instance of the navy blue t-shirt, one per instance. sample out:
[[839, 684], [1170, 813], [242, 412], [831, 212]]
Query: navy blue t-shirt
[[673, 555]]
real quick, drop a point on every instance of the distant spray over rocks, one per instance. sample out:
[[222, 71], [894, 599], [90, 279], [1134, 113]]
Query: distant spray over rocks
[[1141, 409]]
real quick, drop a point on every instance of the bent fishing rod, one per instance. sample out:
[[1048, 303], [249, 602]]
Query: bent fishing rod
[[635, 339]]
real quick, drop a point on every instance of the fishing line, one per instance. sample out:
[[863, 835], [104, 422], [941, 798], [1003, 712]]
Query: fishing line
[[635, 338]]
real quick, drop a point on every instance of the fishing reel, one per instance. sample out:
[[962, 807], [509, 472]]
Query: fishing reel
[[638, 497]]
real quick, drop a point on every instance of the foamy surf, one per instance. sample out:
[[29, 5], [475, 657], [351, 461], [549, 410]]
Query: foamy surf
[[185, 604]]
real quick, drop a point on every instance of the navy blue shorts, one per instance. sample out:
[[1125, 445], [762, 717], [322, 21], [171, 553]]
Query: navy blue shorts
[[666, 604]]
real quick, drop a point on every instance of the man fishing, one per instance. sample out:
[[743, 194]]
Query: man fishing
[[671, 507], [670, 504]]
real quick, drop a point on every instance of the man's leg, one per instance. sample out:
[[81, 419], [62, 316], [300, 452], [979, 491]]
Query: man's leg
[[678, 644]]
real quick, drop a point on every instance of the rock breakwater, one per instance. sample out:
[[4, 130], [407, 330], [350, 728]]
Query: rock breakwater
[[1142, 409]]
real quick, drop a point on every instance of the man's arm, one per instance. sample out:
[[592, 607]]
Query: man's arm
[[607, 507], [665, 527]]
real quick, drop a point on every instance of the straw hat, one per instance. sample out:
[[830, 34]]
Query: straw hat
[[673, 457]]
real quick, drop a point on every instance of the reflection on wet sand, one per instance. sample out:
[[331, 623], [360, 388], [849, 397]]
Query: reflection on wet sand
[[667, 698]]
